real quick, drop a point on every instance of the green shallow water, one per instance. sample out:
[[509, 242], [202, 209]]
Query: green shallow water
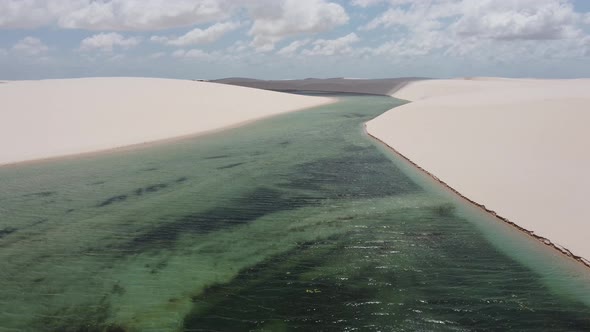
[[298, 222]]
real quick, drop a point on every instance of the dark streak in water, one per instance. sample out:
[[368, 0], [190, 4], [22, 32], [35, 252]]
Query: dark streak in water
[[112, 200], [155, 187], [41, 194], [356, 115], [218, 156], [118, 289], [181, 179], [230, 166], [7, 231], [150, 189]]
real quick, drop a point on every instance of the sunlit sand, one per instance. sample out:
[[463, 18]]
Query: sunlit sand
[[517, 146], [51, 118]]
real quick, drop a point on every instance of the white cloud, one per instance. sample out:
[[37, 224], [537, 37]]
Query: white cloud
[[290, 49], [117, 57], [271, 20], [199, 36], [517, 20], [276, 20], [418, 16], [366, 3], [239, 46], [136, 15], [18, 14], [493, 19], [191, 54], [178, 53], [30, 46], [160, 39], [342, 45], [106, 42], [369, 3], [464, 27], [157, 55], [114, 15]]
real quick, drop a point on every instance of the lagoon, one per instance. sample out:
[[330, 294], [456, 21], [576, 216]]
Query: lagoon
[[296, 222]]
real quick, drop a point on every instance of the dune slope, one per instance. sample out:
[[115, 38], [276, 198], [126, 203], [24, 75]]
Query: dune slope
[[519, 147], [50, 118]]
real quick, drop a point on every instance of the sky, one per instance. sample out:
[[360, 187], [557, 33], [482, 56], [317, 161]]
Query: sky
[[282, 39]]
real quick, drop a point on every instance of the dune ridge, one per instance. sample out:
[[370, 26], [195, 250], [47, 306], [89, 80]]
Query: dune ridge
[[516, 147], [54, 118]]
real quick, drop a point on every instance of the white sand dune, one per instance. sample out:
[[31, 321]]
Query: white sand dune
[[521, 147], [50, 118]]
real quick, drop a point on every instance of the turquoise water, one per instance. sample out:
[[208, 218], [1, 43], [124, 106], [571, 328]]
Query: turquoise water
[[298, 222]]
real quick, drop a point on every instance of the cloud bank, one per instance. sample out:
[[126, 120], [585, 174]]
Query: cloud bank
[[542, 35]]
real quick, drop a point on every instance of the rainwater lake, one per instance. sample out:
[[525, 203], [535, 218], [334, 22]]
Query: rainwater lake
[[299, 222]]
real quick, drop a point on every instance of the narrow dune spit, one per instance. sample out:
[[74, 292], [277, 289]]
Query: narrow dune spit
[[53, 118], [519, 147]]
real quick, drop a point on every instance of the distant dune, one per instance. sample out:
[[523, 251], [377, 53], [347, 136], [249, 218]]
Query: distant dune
[[521, 147], [51, 118], [384, 86]]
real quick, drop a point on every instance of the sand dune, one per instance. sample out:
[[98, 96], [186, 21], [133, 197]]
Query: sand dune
[[50, 118], [519, 147]]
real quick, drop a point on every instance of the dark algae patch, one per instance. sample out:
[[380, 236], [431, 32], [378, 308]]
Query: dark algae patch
[[155, 187], [6, 231], [113, 200], [294, 223], [230, 165], [150, 189], [142, 191], [220, 156], [41, 194], [256, 204]]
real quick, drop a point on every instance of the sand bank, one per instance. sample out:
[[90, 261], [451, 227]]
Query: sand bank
[[51, 118], [520, 147]]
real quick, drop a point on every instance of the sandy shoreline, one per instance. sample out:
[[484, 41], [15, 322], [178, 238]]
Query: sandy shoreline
[[482, 207], [514, 147], [58, 118]]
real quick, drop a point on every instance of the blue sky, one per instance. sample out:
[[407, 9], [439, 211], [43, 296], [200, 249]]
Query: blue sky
[[278, 39]]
